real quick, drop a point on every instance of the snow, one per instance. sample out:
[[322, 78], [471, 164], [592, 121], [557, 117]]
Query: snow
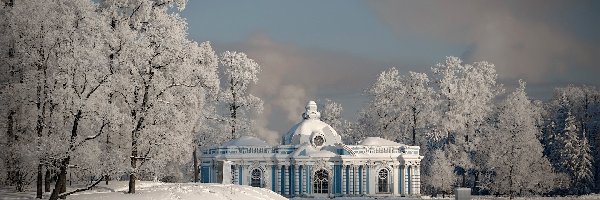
[[310, 151], [159, 190], [307, 127], [310, 126], [212, 191], [377, 141], [246, 141]]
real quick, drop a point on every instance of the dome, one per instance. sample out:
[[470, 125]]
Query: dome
[[246, 141], [377, 141], [312, 130]]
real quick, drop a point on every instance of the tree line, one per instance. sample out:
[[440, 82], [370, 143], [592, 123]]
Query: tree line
[[475, 134], [105, 90]]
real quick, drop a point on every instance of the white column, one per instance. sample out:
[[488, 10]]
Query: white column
[[245, 174], [372, 178], [234, 174], [285, 180], [355, 180], [417, 179], [394, 180], [352, 180], [344, 177], [349, 179], [268, 177], [405, 179], [364, 179], [278, 179], [309, 179]]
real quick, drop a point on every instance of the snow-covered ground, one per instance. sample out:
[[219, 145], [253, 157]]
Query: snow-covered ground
[[157, 190]]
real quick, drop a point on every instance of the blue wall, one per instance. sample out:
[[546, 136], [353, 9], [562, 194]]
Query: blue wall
[[337, 179], [273, 173], [205, 174]]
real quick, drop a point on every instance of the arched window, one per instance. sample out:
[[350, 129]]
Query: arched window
[[383, 181], [321, 182], [256, 178]]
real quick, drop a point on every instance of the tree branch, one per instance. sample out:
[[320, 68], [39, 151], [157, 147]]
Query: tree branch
[[63, 195], [104, 123], [97, 86], [199, 83]]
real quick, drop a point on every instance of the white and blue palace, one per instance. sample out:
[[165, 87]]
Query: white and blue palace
[[312, 161]]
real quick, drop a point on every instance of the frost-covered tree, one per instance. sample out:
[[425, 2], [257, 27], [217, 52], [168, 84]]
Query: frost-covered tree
[[57, 56], [25, 44], [240, 72], [400, 107], [466, 93], [566, 144], [570, 149], [583, 102], [515, 163], [438, 174], [381, 116], [161, 81], [332, 114], [420, 102], [583, 177]]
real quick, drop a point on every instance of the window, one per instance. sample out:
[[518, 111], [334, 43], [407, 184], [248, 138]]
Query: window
[[321, 182], [256, 178], [383, 181], [318, 140]]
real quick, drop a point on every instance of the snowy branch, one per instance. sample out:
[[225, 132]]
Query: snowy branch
[[63, 195]]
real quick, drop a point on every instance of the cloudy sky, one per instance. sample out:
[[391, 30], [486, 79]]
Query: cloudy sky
[[335, 49]]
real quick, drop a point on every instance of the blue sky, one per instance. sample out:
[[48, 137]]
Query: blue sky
[[335, 49]]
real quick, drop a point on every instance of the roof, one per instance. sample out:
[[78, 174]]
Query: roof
[[246, 141], [377, 141], [310, 127], [308, 150]]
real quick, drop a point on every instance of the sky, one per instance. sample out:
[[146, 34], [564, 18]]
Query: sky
[[317, 50]]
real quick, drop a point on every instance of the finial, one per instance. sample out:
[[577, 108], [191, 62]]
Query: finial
[[311, 111]]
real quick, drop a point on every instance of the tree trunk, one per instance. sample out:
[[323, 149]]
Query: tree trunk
[[414, 127], [134, 155], [131, 183], [47, 181], [233, 107], [61, 183], [195, 164], [38, 183], [132, 175]]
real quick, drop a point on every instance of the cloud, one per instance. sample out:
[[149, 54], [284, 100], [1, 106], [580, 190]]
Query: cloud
[[291, 76], [292, 99], [524, 39]]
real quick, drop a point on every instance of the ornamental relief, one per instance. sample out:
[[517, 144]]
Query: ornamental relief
[[322, 164], [264, 172]]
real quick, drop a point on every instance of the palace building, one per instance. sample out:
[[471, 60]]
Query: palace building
[[312, 161]]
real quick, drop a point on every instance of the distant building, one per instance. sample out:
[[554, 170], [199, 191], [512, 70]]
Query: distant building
[[312, 161]]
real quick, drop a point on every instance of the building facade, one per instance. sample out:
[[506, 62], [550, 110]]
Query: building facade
[[312, 161]]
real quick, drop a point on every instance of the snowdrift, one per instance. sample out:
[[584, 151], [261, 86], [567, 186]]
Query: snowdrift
[[157, 190]]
